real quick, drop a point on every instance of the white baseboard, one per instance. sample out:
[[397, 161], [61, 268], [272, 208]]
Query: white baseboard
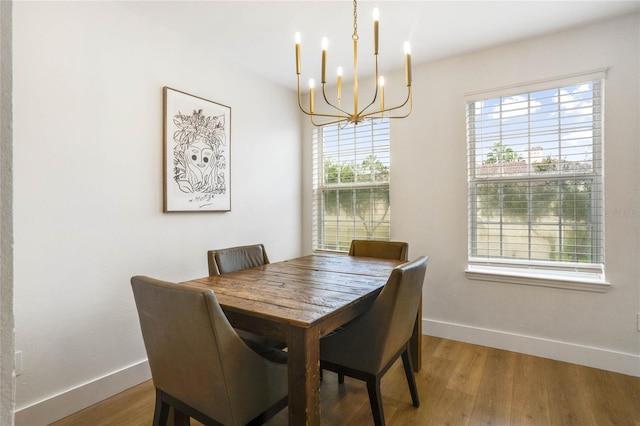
[[604, 359], [68, 402]]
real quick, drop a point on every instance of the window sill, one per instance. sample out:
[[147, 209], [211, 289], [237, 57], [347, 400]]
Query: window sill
[[580, 282]]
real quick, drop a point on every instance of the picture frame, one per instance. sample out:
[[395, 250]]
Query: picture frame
[[196, 156]]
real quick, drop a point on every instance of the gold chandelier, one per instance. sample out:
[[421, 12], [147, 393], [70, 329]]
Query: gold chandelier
[[339, 115]]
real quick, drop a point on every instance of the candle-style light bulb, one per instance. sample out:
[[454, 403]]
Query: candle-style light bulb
[[297, 39], [407, 62], [381, 84], [311, 86], [339, 84], [325, 43], [376, 19], [407, 48]]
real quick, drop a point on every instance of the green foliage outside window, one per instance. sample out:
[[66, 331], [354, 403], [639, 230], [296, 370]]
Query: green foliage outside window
[[363, 202], [501, 153], [534, 205]]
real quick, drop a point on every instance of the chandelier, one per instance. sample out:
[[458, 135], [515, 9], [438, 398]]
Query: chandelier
[[338, 114]]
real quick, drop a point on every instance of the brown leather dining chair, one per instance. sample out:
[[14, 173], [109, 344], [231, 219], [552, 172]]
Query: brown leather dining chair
[[199, 365], [232, 259], [398, 250], [381, 249], [224, 261], [368, 346]]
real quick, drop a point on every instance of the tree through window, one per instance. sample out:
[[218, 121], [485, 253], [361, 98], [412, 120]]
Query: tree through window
[[351, 184]]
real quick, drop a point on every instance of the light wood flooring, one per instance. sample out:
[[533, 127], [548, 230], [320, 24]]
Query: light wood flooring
[[459, 384]]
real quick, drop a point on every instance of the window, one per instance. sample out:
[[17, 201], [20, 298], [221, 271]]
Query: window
[[351, 184], [535, 184]]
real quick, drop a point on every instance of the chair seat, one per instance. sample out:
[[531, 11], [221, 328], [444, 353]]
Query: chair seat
[[265, 347]]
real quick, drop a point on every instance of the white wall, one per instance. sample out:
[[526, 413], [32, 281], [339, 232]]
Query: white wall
[[429, 202], [88, 80]]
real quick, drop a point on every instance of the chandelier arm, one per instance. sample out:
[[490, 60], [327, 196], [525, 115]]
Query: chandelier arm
[[408, 100], [375, 94], [314, 122], [324, 95], [326, 123], [316, 114], [405, 115], [300, 99]]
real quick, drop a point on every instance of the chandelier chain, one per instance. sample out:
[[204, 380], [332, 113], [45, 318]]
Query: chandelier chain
[[355, 20]]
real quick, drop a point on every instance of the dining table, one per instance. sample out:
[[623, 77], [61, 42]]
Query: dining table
[[298, 301]]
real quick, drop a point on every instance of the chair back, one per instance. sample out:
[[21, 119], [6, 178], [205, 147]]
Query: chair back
[[381, 249], [398, 304], [197, 357], [233, 259], [385, 328]]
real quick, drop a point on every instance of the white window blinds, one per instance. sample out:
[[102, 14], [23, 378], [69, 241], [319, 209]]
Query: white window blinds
[[351, 184], [535, 180]]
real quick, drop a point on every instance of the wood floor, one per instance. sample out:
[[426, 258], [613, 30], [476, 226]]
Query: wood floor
[[459, 384]]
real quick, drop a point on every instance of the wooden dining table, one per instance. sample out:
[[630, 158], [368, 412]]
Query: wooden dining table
[[299, 301]]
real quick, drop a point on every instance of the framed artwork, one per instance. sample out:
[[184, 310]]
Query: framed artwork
[[197, 137]]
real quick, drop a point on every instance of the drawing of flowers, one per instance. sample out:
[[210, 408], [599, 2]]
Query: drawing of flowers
[[199, 153]]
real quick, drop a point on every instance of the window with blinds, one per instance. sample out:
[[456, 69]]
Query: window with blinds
[[351, 184], [535, 182]]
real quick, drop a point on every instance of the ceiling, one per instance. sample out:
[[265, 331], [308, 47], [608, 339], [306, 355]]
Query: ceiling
[[259, 35]]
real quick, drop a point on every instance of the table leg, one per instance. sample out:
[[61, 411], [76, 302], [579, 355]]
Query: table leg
[[304, 376]]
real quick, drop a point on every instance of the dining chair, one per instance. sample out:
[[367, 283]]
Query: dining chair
[[381, 249], [199, 365], [224, 261], [368, 346], [232, 259], [398, 250]]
